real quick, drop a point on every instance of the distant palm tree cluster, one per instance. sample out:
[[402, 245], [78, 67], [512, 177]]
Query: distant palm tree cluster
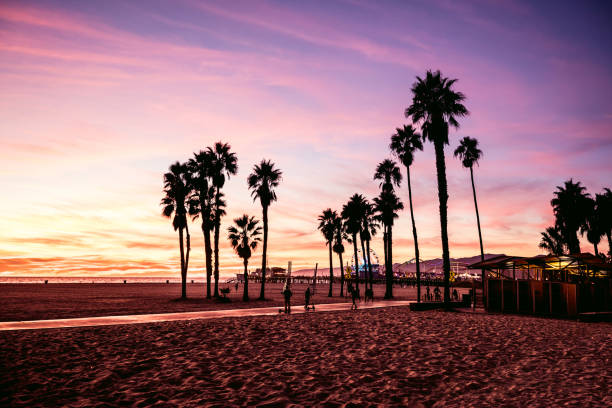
[[435, 106], [576, 211], [193, 189]]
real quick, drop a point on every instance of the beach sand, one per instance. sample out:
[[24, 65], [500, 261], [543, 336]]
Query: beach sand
[[57, 301], [388, 356]]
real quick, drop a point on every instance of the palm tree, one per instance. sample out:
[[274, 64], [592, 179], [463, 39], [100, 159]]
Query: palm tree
[[340, 235], [469, 154], [604, 207], [202, 205], [570, 205], [387, 204], [369, 229], [262, 182], [244, 238], [552, 241], [352, 214], [389, 174], [436, 106], [175, 202], [592, 226], [404, 143], [223, 163], [327, 228]]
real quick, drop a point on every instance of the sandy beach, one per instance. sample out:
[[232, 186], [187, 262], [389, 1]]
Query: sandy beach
[[388, 356], [56, 301]]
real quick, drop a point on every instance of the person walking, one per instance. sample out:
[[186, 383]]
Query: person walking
[[287, 294]]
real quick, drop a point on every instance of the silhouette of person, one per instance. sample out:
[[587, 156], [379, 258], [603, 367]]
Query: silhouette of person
[[428, 295], [236, 286], [354, 297], [455, 294], [287, 293], [437, 294], [307, 298]]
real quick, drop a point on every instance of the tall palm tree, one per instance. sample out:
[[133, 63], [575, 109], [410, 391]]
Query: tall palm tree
[[244, 238], [352, 214], [592, 226], [552, 241], [202, 204], [604, 206], [223, 164], [389, 174], [436, 106], [404, 143], [387, 204], [369, 229], [469, 154], [327, 228], [176, 194], [262, 181], [340, 235], [571, 205]]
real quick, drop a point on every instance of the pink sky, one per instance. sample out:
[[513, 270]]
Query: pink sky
[[99, 98]]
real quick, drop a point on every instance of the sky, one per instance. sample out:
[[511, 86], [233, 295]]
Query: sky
[[99, 98]]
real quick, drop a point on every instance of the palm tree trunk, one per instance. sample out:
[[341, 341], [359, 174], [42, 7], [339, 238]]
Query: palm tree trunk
[[595, 246], [183, 274], [370, 266], [356, 262], [216, 243], [385, 250], [389, 275], [264, 253], [245, 294], [331, 270], [443, 199], [414, 236], [341, 275], [208, 257], [188, 248], [482, 272], [609, 235], [365, 262]]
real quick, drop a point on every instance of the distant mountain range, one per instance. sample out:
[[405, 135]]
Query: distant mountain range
[[406, 267]]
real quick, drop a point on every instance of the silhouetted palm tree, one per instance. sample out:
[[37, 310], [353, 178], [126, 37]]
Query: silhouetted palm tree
[[592, 226], [436, 106], [469, 153], [175, 202], [368, 230], [244, 238], [552, 241], [223, 163], [262, 182], [352, 214], [202, 204], [340, 235], [327, 228], [389, 174], [604, 206], [570, 205], [404, 143], [387, 204]]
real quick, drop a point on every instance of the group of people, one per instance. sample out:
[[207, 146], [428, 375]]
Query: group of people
[[437, 295], [308, 305], [287, 293]]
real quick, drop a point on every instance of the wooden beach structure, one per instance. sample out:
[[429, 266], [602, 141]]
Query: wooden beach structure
[[564, 285]]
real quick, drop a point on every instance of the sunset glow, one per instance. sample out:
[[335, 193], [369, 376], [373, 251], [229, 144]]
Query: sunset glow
[[99, 98]]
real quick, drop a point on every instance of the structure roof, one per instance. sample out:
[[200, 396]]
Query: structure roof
[[571, 261]]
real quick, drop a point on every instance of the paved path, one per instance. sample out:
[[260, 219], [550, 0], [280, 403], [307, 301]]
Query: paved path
[[169, 317]]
